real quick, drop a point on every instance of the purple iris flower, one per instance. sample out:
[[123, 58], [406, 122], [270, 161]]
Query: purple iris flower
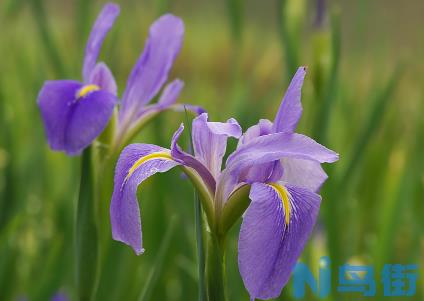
[[282, 169], [75, 113]]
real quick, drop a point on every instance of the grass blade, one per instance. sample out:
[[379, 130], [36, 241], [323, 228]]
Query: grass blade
[[402, 199], [334, 212], [326, 107], [158, 264], [372, 124]]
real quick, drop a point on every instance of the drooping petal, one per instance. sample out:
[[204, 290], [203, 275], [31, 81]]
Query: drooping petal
[[151, 71], [101, 27], [88, 118], [275, 229], [188, 160], [270, 148], [210, 141], [103, 77], [290, 109], [136, 163], [303, 173], [55, 102]]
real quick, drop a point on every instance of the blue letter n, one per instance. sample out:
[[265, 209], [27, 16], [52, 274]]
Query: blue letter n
[[302, 276]]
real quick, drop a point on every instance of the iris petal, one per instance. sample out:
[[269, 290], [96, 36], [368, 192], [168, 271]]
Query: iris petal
[[55, 100], [101, 27], [303, 173], [134, 166], [171, 92], [190, 161], [151, 70], [270, 148], [262, 172], [210, 141], [103, 77], [87, 119], [264, 127], [268, 247], [290, 110]]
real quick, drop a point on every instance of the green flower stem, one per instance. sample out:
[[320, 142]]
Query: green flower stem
[[215, 268], [200, 246], [86, 232]]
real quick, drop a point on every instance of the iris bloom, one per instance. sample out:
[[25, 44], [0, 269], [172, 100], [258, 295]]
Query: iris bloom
[[75, 113], [281, 168]]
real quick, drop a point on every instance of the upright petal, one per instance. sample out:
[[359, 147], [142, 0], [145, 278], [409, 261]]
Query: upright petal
[[102, 26], [136, 163], [88, 118], [303, 173], [103, 77], [151, 71], [265, 172], [264, 127], [290, 109], [275, 229], [261, 172], [210, 141], [55, 102]]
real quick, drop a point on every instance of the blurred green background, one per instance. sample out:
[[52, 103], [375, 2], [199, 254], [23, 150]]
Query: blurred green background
[[363, 97]]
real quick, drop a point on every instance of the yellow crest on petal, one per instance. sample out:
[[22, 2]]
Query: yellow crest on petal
[[86, 89], [282, 193], [144, 159]]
